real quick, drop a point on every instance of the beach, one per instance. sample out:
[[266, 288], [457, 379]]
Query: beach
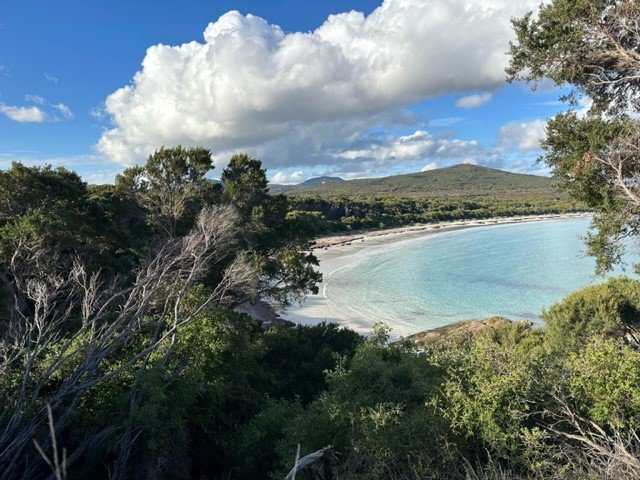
[[334, 251]]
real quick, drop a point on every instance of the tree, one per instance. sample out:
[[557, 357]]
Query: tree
[[48, 220], [66, 341], [592, 45], [245, 183], [277, 243], [172, 187]]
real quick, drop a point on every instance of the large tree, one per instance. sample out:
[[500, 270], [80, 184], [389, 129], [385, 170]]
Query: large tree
[[172, 187], [593, 46], [277, 242]]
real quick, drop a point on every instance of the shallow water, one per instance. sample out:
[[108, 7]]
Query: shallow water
[[513, 270]]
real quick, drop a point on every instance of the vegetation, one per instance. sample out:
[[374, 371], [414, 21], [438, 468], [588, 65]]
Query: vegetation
[[122, 355], [591, 45], [462, 192], [121, 346]]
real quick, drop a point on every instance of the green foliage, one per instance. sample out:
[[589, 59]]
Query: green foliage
[[608, 309], [376, 413], [491, 391], [590, 45], [298, 358], [584, 43], [276, 241], [604, 380], [49, 216], [245, 183], [172, 187]]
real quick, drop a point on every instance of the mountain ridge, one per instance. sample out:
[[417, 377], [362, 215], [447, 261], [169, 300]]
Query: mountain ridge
[[462, 178]]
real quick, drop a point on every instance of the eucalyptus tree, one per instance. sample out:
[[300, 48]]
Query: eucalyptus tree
[[594, 47]]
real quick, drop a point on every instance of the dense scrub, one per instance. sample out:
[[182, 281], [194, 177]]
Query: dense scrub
[[122, 357]]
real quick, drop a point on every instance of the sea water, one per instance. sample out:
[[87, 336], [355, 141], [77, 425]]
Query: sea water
[[513, 270]]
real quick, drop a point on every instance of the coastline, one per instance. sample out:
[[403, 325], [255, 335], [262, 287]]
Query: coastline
[[401, 233], [330, 252]]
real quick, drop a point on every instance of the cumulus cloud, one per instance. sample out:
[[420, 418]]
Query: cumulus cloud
[[429, 166], [416, 146], [251, 86], [22, 114], [526, 136], [284, 178], [473, 101]]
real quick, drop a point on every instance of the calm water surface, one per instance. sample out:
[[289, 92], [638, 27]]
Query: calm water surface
[[510, 270]]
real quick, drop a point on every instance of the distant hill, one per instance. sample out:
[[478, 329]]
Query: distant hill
[[322, 181], [456, 180]]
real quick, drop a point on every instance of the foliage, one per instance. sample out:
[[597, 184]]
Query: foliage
[[171, 187], [604, 379], [50, 210], [609, 309], [276, 242], [591, 45], [376, 413]]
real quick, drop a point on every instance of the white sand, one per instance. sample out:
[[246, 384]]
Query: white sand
[[331, 252]]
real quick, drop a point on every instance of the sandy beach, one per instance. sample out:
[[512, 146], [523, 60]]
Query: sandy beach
[[330, 251]]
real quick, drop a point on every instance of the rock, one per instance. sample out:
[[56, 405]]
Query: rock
[[466, 329]]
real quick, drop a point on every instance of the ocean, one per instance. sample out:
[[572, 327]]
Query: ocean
[[513, 270]]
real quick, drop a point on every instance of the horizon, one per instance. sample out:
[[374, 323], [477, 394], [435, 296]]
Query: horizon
[[100, 94]]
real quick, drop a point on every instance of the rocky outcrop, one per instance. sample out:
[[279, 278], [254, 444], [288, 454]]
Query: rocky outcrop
[[467, 329]]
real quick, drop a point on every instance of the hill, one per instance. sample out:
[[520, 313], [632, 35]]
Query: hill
[[456, 180]]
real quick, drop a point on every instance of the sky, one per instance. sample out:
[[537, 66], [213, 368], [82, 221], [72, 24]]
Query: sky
[[349, 88]]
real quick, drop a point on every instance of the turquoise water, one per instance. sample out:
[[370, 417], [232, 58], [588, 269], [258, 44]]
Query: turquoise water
[[509, 270]]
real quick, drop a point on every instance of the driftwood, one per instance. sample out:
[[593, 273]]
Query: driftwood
[[325, 455]]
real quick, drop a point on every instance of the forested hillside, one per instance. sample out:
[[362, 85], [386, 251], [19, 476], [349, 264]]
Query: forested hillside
[[461, 192], [449, 181]]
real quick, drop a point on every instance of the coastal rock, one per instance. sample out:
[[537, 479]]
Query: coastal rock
[[262, 311], [466, 329]]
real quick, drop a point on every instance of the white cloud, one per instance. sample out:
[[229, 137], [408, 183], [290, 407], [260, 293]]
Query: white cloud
[[526, 136], [97, 112], [64, 110], [429, 166], [250, 86], [284, 178], [37, 99], [445, 122], [416, 146], [22, 114], [44, 111], [50, 78], [473, 101]]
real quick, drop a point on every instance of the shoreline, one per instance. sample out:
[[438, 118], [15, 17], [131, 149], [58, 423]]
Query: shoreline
[[330, 250], [325, 243]]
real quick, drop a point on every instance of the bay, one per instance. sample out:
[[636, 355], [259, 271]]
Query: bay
[[513, 270]]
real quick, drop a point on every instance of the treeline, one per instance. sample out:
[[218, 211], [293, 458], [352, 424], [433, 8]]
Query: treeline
[[336, 214]]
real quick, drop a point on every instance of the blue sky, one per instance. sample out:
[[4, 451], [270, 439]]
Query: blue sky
[[409, 85]]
